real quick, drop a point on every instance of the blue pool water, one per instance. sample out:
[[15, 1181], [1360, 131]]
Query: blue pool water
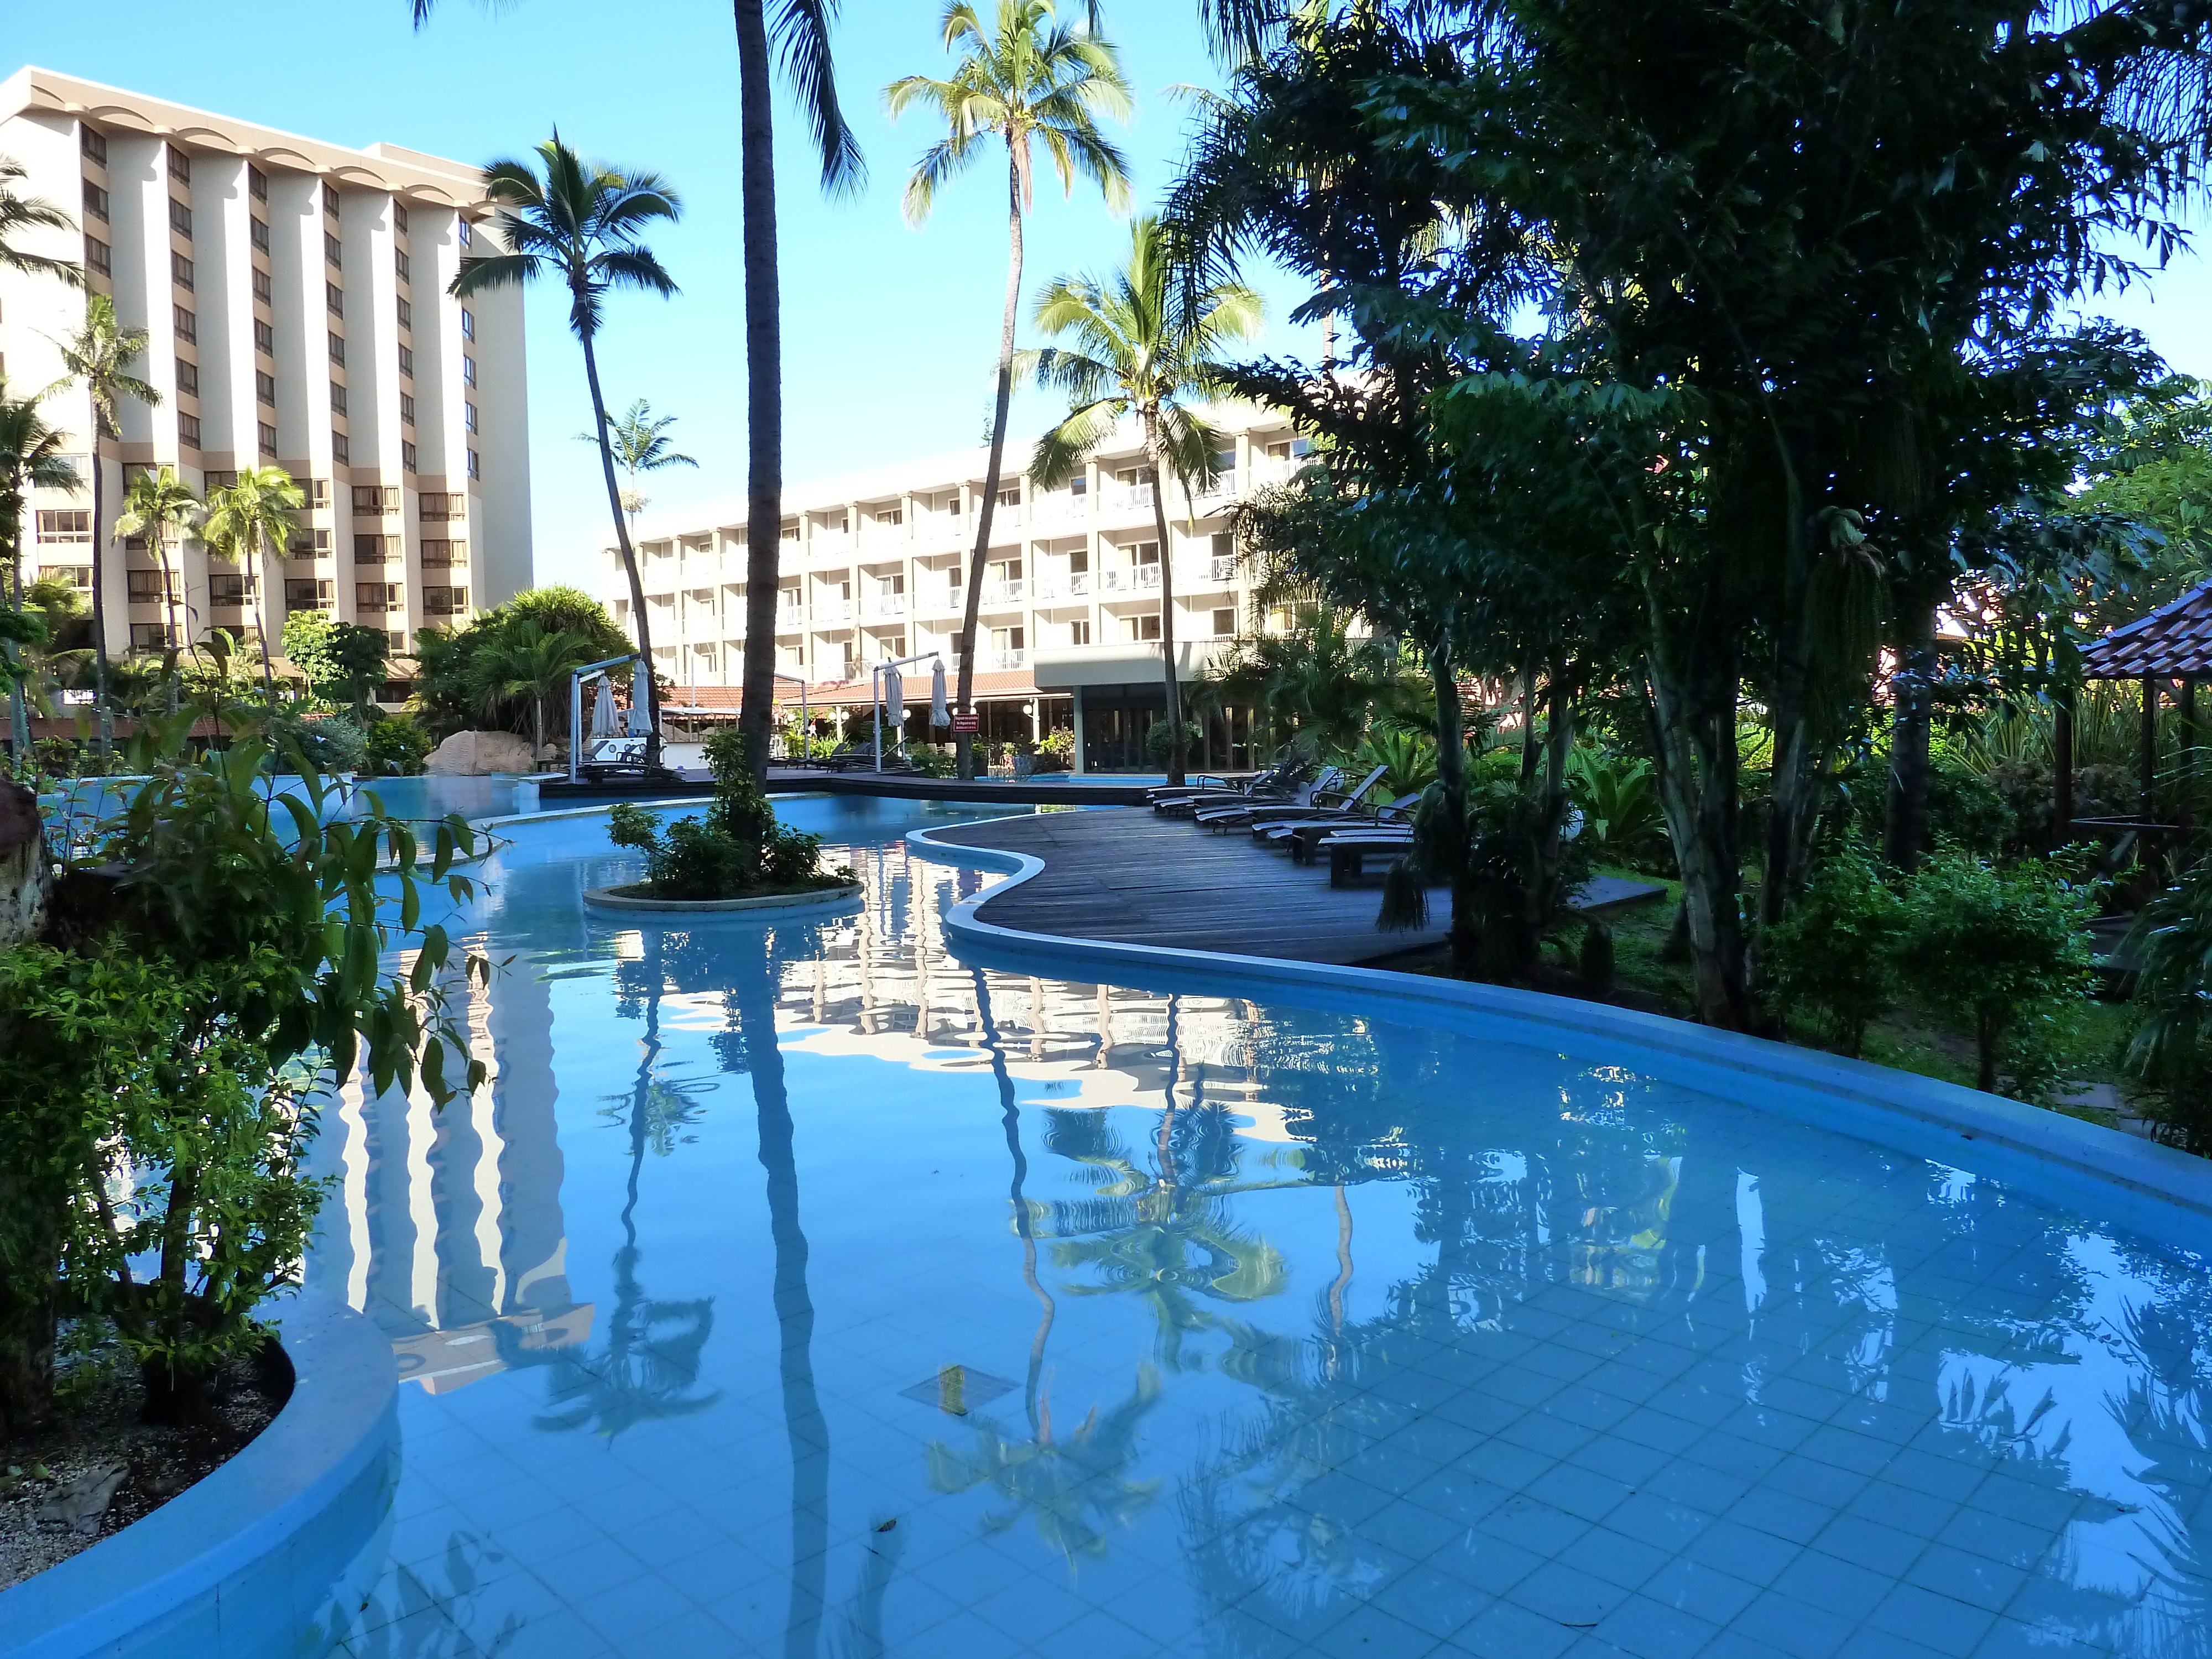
[[1276, 1333]]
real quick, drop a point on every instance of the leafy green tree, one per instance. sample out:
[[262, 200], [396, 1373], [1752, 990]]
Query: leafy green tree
[[21, 213], [583, 225], [1032, 82], [1144, 341], [527, 662], [447, 695], [250, 520], [1319, 684], [157, 504], [2171, 1052], [1835, 958], [30, 458], [343, 661], [641, 445], [99, 355]]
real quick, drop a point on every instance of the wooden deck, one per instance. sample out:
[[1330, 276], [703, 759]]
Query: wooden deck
[[1127, 876], [903, 786]]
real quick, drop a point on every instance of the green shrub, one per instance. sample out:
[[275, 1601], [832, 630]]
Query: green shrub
[[737, 848], [2005, 951], [2171, 1050], [398, 747], [1967, 810], [930, 762], [1409, 753], [1159, 734], [1619, 796], [1057, 752], [1833, 960], [331, 743]]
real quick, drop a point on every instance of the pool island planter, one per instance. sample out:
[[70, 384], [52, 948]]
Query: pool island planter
[[767, 904], [239, 1563], [2157, 1190]]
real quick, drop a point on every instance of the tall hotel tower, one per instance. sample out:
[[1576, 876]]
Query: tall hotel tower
[[293, 294]]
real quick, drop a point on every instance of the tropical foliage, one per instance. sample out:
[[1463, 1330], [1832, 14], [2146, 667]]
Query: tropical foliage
[[737, 850], [453, 692]]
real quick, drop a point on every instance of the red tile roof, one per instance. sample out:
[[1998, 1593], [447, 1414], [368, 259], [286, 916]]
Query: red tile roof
[[2174, 641], [993, 685]]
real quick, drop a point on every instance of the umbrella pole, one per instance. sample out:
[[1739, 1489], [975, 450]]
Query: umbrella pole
[[575, 719]]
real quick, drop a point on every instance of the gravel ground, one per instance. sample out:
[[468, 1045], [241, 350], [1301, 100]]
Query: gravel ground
[[98, 1468]]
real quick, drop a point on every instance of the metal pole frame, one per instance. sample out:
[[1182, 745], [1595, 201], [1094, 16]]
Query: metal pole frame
[[576, 678], [876, 692], [803, 721]]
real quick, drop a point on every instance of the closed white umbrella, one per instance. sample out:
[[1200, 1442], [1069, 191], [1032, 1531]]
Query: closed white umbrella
[[939, 715], [641, 722], [603, 711], [895, 704]]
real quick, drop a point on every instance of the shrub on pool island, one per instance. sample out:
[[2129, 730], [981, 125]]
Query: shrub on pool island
[[737, 850]]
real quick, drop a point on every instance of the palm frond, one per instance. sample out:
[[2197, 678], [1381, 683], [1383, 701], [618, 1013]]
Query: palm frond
[[1059, 453], [487, 271], [801, 34], [634, 267]]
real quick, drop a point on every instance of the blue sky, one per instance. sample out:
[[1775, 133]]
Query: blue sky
[[889, 332]]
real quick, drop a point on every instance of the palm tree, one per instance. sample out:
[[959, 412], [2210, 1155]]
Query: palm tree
[[100, 354], [641, 445], [799, 33], [1032, 81], [527, 660], [579, 223], [1143, 340], [30, 459], [156, 503], [19, 213], [252, 520]]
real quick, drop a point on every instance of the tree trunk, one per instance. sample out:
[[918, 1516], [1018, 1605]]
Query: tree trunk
[[19, 709], [630, 561], [106, 722], [260, 573], [1451, 779], [1172, 686], [1691, 715], [1543, 898], [964, 743], [763, 385], [1904, 832], [170, 604], [1793, 802]]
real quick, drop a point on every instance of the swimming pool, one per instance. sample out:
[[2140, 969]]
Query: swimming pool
[[804, 1292]]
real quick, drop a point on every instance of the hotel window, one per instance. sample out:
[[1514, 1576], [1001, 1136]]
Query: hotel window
[[399, 217], [407, 362], [406, 315], [1079, 633], [181, 271], [1145, 553], [1078, 485], [150, 636], [369, 500], [1224, 622], [376, 597], [445, 601], [213, 479], [318, 495], [186, 325], [264, 387], [337, 347], [180, 219], [330, 200], [265, 339], [267, 435], [224, 589], [399, 264], [461, 232], [407, 409], [257, 183], [93, 142], [188, 430], [257, 232], [331, 252], [1079, 562], [181, 165], [145, 587], [891, 515], [308, 593], [407, 455], [475, 467], [1141, 628], [67, 523], [309, 545], [338, 400], [468, 416], [188, 377], [468, 368], [96, 201], [95, 255], [261, 286], [468, 323], [341, 449], [375, 550], [1011, 496], [437, 506]]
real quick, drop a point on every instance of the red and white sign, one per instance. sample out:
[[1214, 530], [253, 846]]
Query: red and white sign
[[969, 722]]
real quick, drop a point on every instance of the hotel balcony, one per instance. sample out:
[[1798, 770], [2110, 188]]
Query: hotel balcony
[[1130, 579], [883, 607], [828, 612], [997, 596]]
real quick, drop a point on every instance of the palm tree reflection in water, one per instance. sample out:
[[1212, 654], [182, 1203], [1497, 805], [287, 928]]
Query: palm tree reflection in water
[[1074, 1489], [649, 1367]]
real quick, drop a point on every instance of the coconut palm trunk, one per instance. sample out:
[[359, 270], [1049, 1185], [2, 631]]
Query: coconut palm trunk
[[628, 556], [169, 606], [964, 742], [1156, 451], [763, 384], [105, 721]]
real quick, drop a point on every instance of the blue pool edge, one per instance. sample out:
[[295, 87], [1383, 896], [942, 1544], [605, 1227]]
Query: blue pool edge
[[2106, 1172], [255, 1547]]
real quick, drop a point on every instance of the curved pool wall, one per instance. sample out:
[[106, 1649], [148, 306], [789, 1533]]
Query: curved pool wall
[[2156, 1190], [827, 1289], [238, 1566]]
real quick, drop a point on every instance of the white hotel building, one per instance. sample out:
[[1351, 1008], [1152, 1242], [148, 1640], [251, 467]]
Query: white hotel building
[[293, 293], [874, 568]]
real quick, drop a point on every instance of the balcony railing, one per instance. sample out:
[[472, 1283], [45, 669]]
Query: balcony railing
[[1122, 497], [833, 611], [1058, 506], [789, 616], [940, 599], [1005, 593], [1075, 585], [1131, 579], [1002, 658], [883, 605], [1221, 570]]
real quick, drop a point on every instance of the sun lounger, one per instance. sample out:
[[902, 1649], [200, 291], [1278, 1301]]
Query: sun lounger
[[1324, 804], [1348, 850], [1279, 785], [1301, 835], [1326, 789]]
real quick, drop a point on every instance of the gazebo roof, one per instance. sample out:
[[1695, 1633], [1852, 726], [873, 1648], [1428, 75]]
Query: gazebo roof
[[2174, 641]]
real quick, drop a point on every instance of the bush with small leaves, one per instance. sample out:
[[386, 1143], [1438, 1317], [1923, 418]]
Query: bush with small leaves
[[1833, 961]]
